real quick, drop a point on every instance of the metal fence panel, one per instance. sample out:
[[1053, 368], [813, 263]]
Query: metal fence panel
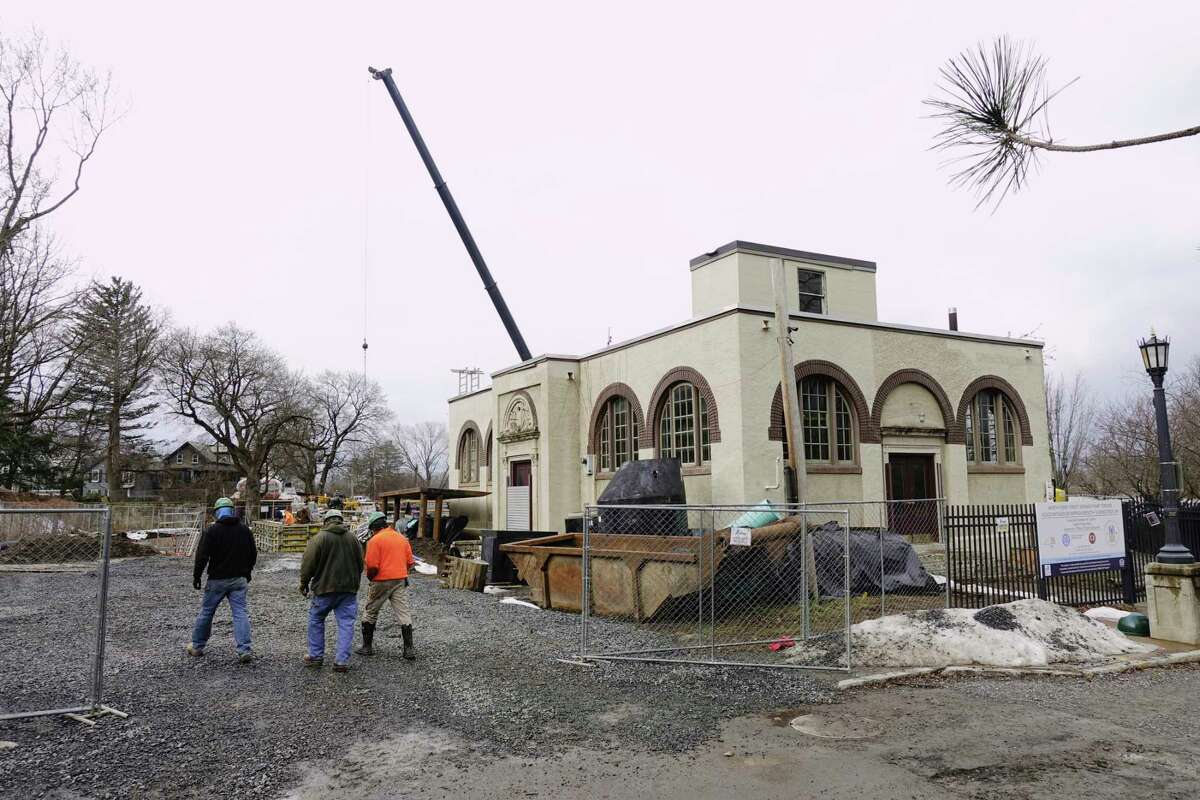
[[764, 585], [54, 550]]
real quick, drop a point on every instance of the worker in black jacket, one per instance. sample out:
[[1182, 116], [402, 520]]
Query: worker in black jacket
[[227, 549]]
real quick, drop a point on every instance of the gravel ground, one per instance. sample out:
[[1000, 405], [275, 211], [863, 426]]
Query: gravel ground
[[486, 676]]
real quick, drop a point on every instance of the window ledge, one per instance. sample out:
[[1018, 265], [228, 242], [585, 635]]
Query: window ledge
[[995, 469], [695, 470], [833, 469], [468, 485]]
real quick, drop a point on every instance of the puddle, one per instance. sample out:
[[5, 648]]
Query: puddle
[[783, 718], [829, 727]]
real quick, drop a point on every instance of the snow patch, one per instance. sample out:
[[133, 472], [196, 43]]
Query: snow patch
[[1026, 633]]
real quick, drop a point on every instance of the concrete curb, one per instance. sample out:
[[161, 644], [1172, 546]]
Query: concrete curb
[[1188, 657], [1020, 671], [884, 677]]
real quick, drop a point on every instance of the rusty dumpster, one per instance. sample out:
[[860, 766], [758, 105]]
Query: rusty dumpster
[[631, 576]]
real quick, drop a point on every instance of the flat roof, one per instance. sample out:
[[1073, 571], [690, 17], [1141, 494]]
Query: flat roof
[[433, 494], [827, 319], [738, 246]]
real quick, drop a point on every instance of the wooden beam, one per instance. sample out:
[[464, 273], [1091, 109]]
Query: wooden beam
[[437, 520], [421, 518]]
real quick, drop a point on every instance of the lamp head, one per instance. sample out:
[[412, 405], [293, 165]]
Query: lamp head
[[1155, 351]]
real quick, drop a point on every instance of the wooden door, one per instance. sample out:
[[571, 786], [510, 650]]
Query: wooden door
[[911, 480]]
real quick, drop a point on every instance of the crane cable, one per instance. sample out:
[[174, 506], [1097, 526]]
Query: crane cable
[[366, 209]]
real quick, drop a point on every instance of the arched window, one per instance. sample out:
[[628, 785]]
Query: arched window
[[487, 455], [683, 430], [617, 434], [991, 429], [828, 421], [468, 457]]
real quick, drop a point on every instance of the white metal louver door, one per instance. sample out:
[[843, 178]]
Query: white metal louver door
[[516, 517]]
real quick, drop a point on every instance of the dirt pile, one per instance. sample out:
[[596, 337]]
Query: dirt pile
[[61, 548]]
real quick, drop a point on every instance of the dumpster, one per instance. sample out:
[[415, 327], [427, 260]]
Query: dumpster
[[634, 575]]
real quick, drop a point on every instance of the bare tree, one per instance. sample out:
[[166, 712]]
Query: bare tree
[[423, 449], [117, 344], [1123, 459], [36, 358], [1069, 412], [239, 392], [346, 408], [993, 103], [53, 109]]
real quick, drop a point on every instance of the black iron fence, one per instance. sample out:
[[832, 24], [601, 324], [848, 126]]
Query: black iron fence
[[992, 557]]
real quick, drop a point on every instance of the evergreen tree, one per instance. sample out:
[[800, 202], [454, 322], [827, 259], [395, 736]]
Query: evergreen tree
[[118, 341]]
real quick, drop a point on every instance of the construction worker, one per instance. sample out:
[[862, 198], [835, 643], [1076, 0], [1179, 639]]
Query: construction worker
[[389, 558], [227, 550], [332, 570]]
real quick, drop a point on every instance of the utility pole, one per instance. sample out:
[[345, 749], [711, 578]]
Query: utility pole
[[797, 480], [797, 484]]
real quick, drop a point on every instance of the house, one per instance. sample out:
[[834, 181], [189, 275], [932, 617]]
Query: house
[[192, 463], [890, 411], [140, 479]]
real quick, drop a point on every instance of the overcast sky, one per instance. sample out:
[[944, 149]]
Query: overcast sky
[[595, 152]]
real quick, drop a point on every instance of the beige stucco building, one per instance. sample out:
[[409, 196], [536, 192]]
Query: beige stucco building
[[890, 411]]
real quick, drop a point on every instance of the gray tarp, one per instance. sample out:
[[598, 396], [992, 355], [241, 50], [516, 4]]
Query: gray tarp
[[749, 575]]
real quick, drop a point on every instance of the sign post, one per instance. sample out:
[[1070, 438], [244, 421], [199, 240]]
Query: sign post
[[1079, 537]]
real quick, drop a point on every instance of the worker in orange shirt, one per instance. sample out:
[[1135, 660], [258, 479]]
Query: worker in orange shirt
[[389, 558]]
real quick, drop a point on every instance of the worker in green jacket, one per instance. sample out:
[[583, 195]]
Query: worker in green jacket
[[331, 570]]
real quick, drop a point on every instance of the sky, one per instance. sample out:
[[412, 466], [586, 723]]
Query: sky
[[258, 175]]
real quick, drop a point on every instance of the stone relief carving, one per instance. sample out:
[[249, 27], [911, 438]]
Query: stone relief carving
[[520, 421]]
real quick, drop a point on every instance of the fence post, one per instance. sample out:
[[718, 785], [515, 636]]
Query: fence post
[[882, 576], [806, 563], [585, 600], [1043, 587], [1127, 577], [102, 613]]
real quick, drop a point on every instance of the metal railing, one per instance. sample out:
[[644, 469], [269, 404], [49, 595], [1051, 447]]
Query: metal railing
[[33, 542]]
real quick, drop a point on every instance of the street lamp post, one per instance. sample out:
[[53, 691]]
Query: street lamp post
[[1154, 357]]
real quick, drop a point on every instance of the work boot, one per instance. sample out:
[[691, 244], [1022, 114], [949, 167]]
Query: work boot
[[368, 633], [192, 650], [410, 652]]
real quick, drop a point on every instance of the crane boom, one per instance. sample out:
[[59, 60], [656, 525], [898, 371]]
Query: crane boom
[[460, 224]]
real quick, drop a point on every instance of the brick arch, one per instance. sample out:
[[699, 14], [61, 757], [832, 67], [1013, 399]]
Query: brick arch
[[466, 426], [1001, 385], [954, 431], [867, 433], [616, 389], [674, 376]]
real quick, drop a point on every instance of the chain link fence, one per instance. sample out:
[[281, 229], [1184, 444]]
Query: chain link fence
[[64, 550], [170, 530], [766, 585]]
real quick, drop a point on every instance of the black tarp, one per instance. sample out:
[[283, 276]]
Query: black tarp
[[654, 482], [748, 575]]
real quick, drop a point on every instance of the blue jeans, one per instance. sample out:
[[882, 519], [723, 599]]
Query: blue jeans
[[215, 591], [344, 606]]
